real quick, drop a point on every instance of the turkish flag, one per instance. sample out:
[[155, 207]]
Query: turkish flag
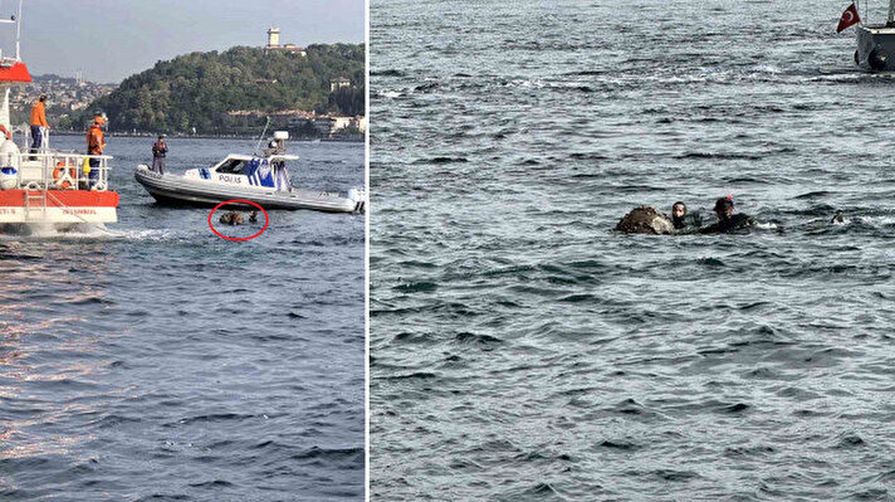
[[849, 17]]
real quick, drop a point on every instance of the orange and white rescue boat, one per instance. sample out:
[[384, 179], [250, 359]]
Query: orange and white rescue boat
[[47, 187]]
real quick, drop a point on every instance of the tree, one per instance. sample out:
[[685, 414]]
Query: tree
[[199, 89]]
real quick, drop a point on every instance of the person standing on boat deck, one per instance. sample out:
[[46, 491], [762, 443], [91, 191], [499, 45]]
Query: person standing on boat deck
[[96, 144], [278, 147], [38, 123], [159, 149], [275, 147]]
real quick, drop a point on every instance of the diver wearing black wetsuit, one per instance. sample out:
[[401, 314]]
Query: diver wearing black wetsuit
[[683, 221], [727, 221]]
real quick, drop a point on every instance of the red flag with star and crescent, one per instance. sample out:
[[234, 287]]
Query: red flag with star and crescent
[[849, 17]]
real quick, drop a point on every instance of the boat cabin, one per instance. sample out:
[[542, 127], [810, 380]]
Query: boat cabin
[[249, 171]]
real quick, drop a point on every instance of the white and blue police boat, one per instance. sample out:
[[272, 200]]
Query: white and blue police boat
[[262, 179]]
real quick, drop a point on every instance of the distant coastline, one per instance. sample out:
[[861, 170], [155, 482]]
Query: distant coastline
[[317, 92], [347, 138]]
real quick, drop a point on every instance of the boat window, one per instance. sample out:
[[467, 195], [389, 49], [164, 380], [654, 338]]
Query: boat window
[[232, 166]]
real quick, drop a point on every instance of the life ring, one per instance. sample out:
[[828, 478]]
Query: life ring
[[60, 178]]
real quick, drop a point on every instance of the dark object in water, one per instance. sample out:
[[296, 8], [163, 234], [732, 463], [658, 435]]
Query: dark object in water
[[253, 217], [877, 59], [735, 223], [688, 224], [232, 218], [838, 218], [645, 220]]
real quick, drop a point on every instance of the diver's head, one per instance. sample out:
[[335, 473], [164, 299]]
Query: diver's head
[[678, 210], [724, 207]]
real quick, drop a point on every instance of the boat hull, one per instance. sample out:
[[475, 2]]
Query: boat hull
[[61, 207], [175, 190], [876, 48]]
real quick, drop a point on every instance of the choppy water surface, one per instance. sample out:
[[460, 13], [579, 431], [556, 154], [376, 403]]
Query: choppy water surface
[[522, 350], [159, 362]]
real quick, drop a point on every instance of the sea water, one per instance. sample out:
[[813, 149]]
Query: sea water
[[153, 360], [522, 350]]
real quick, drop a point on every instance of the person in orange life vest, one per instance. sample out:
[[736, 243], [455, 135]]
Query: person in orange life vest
[[38, 123], [96, 143]]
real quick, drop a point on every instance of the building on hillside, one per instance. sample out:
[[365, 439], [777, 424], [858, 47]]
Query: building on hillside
[[321, 125], [339, 83], [358, 123], [340, 123], [273, 43], [273, 37], [301, 123], [65, 94]]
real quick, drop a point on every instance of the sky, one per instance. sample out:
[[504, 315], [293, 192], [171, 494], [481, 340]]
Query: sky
[[109, 40]]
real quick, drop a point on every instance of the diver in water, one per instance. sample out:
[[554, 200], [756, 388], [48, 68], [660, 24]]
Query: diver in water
[[682, 220], [838, 219], [231, 218], [727, 221]]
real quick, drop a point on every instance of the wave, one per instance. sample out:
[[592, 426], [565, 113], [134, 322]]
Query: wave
[[387, 73], [718, 156], [81, 231]]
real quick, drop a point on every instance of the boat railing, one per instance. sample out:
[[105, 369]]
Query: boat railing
[[29, 140], [60, 171], [281, 157]]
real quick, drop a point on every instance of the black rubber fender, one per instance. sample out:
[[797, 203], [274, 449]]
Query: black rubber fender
[[877, 59]]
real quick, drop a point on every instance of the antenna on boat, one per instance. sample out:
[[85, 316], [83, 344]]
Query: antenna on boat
[[263, 134], [19, 31], [17, 20]]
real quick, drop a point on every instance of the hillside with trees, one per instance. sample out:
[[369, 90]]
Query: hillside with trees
[[195, 92]]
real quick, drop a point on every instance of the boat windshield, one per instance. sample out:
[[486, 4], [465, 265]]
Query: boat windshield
[[232, 166]]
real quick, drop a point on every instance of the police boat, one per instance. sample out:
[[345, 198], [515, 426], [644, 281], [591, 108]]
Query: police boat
[[262, 179]]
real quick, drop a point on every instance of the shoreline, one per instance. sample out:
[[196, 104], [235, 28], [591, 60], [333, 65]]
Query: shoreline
[[349, 139]]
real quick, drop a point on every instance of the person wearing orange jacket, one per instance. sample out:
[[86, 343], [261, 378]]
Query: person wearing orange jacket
[[38, 123], [96, 144]]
